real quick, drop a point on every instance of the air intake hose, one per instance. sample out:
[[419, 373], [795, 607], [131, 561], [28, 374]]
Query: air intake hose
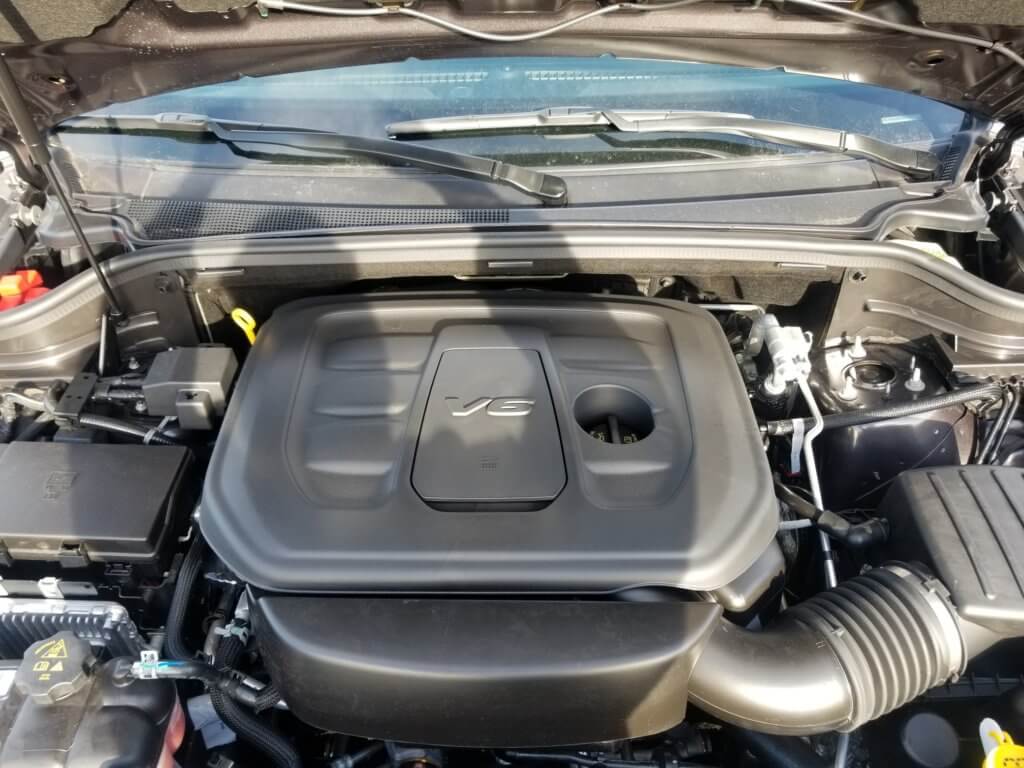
[[837, 660]]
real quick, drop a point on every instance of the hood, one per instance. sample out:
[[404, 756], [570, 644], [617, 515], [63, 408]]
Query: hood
[[71, 58]]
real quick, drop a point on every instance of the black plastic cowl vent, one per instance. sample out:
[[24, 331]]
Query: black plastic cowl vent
[[950, 163], [171, 219]]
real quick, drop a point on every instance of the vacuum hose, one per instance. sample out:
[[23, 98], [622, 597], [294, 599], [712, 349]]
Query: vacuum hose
[[174, 643], [978, 392], [854, 535], [837, 660], [247, 726]]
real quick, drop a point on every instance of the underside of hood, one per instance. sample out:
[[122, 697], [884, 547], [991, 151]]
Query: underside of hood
[[71, 58], [28, 21]]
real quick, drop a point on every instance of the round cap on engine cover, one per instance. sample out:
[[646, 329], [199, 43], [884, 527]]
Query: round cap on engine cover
[[54, 669]]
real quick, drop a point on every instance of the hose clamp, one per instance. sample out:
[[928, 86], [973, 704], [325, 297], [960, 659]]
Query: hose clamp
[[234, 629], [938, 599]]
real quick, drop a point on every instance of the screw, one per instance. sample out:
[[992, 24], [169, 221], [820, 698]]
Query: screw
[[163, 284], [133, 364], [140, 407]]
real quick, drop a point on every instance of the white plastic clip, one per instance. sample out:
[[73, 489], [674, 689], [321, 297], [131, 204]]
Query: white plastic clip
[[145, 668], [796, 446]]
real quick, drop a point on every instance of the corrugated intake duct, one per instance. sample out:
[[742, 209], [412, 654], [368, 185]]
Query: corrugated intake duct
[[838, 660]]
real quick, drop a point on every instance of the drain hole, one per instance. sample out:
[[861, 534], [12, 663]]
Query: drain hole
[[613, 414]]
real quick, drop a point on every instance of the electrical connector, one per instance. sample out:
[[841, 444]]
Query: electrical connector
[[789, 349]]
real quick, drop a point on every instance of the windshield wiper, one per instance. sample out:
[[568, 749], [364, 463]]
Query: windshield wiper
[[549, 189], [910, 161]]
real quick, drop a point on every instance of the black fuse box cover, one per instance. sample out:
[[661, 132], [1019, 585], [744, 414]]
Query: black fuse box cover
[[969, 522], [71, 502]]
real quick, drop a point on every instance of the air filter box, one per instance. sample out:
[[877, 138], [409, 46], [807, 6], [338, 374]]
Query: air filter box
[[968, 524]]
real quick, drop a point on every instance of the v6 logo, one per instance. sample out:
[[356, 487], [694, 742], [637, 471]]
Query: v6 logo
[[493, 406]]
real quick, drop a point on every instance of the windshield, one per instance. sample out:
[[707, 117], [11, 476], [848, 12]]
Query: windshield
[[364, 100]]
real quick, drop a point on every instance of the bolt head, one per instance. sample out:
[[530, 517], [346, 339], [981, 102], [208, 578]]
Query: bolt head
[[915, 383]]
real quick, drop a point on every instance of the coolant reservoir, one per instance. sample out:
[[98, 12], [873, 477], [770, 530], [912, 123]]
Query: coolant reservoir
[[60, 706]]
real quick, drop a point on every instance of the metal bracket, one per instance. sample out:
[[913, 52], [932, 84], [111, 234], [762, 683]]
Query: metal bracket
[[75, 397]]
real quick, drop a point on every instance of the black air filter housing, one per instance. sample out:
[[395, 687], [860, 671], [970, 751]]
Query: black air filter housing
[[451, 443], [967, 523]]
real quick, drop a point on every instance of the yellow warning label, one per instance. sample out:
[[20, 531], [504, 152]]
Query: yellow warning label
[[45, 676], [58, 666], [55, 649], [41, 666]]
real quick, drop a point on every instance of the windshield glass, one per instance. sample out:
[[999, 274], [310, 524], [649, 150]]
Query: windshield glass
[[363, 100]]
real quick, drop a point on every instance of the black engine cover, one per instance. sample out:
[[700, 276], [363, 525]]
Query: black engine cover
[[510, 444], [466, 446], [495, 448]]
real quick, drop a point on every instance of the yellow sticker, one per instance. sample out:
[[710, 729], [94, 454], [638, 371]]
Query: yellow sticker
[[45, 676], [57, 667], [41, 666], [55, 649]]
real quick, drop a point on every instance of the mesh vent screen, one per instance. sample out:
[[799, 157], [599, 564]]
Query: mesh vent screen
[[169, 219], [949, 164]]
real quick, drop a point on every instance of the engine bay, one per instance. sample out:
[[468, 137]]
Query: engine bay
[[511, 384], [582, 520]]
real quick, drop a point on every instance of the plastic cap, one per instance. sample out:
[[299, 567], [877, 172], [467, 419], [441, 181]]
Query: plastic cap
[[56, 668], [1000, 751], [930, 741], [21, 287]]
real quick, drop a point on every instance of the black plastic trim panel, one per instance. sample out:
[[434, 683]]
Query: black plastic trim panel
[[484, 673]]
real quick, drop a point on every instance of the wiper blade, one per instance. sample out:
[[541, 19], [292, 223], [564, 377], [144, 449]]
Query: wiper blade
[[547, 188], [912, 162]]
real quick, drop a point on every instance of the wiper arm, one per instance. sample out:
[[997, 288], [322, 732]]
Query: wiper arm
[[552, 117], [910, 161], [549, 189]]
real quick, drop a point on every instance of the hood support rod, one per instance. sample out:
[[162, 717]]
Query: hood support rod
[[14, 101]]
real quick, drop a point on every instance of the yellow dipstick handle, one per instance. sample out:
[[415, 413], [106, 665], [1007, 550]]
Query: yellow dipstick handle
[[246, 322], [1006, 754]]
